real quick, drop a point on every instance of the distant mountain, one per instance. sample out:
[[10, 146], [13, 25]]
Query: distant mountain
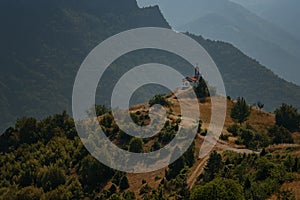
[[44, 42], [281, 13], [227, 21]]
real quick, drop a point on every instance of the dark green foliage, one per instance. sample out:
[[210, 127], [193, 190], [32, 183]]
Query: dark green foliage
[[117, 177], [128, 195], [187, 159], [61, 168], [247, 135], [189, 155], [145, 189], [286, 195], [68, 31], [93, 173], [74, 187], [29, 193], [260, 105], [252, 139], [136, 145], [296, 166], [288, 117], [280, 135], [27, 128], [101, 110], [201, 89], [234, 129], [240, 111], [175, 167], [124, 184], [214, 165], [156, 146], [160, 99], [204, 133], [199, 126], [107, 121], [113, 189], [218, 189], [49, 178], [9, 140], [260, 177], [224, 137], [263, 152]]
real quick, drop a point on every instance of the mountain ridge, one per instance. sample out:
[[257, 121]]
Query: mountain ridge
[[227, 21]]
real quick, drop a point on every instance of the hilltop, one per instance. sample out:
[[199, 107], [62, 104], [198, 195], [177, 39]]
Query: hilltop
[[56, 165]]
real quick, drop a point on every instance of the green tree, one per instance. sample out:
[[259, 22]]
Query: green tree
[[280, 135], [160, 99], [286, 195], [28, 130], [136, 145], [218, 189], [214, 165], [29, 193], [93, 174], [201, 89], [240, 111], [288, 117], [50, 177], [75, 188], [260, 105], [124, 184], [175, 167]]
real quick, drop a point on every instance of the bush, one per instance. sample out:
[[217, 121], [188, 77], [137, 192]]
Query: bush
[[234, 129], [288, 117], [224, 137], [280, 135], [124, 184], [226, 189], [201, 89], [51, 177], [204, 133], [29, 193], [160, 99], [240, 111], [136, 145]]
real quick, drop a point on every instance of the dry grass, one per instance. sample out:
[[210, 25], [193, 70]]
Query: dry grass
[[152, 179], [292, 186], [260, 120]]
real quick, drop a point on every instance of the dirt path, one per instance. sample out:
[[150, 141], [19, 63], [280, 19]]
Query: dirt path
[[191, 180], [199, 170]]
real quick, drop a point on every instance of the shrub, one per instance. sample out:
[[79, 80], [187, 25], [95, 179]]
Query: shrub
[[240, 111], [160, 99], [226, 189], [224, 137], [234, 129], [124, 184], [288, 117]]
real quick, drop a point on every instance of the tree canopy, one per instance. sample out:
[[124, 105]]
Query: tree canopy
[[240, 111]]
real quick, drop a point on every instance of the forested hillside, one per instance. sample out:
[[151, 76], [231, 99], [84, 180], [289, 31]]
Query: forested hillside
[[47, 160], [44, 42]]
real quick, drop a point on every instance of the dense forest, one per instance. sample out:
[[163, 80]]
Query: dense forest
[[44, 42]]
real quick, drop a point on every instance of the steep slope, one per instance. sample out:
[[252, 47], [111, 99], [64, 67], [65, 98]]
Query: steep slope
[[44, 42], [227, 21], [281, 13], [244, 76]]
